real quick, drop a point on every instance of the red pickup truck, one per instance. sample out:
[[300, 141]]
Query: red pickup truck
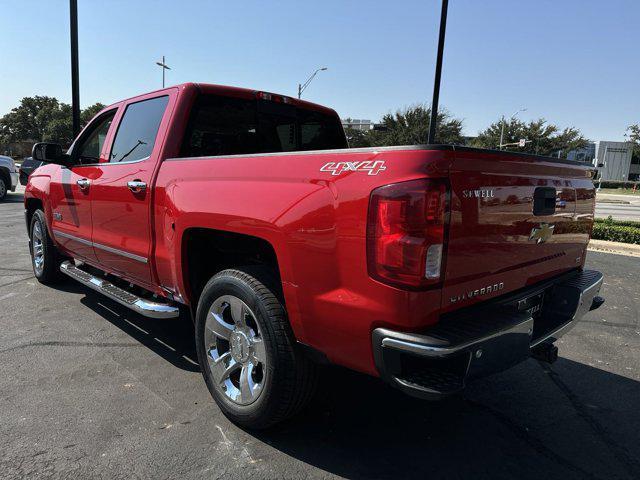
[[426, 265]]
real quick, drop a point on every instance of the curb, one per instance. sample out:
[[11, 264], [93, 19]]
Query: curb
[[619, 248]]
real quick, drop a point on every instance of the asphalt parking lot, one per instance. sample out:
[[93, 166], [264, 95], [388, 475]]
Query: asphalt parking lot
[[91, 390]]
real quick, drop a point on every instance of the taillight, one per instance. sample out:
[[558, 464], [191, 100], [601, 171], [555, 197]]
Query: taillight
[[405, 233]]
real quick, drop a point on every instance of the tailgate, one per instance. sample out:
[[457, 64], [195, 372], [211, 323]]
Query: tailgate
[[515, 220]]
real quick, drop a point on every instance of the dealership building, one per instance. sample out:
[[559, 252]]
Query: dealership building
[[616, 161]]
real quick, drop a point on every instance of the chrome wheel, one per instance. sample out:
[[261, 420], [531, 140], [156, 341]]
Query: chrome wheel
[[38, 249], [235, 350]]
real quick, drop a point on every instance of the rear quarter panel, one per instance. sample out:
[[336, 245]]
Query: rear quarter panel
[[316, 222]]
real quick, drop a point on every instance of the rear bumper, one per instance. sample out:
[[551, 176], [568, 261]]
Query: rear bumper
[[484, 340], [14, 181]]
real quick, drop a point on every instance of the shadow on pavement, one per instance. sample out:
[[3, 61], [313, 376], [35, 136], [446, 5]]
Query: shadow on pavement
[[171, 339], [525, 423], [13, 198], [567, 421]]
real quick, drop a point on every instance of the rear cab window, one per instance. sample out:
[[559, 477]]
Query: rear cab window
[[222, 125]]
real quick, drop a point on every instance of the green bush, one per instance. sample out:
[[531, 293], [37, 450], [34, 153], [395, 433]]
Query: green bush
[[615, 231], [616, 184], [621, 223]]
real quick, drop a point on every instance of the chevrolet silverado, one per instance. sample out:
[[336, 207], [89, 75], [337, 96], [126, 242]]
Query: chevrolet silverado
[[425, 265]]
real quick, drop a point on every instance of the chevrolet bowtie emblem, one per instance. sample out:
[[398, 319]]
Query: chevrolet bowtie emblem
[[542, 233]]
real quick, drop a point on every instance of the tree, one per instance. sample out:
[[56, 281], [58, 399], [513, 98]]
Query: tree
[[634, 137], [544, 138], [411, 126], [407, 127], [41, 118], [91, 111], [358, 138]]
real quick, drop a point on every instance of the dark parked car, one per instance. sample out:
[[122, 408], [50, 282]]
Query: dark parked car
[[27, 168]]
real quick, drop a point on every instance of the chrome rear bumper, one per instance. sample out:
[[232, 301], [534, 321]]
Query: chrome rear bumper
[[491, 338]]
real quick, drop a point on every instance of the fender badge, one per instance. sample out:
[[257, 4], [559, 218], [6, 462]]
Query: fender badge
[[372, 167]]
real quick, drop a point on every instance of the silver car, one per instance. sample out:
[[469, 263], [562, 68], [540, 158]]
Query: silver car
[[8, 176]]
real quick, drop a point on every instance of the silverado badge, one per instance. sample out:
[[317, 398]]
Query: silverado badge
[[542, 233]]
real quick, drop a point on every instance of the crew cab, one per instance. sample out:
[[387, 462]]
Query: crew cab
[[425, 265]]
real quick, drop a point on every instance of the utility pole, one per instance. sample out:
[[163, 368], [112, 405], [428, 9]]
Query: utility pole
[[75, 81], [301, 87], [164, 67], [515, 114], [436, 83]]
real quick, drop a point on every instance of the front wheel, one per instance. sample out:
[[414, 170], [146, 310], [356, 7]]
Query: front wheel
[[44, 255], [3, 189], [247, 352]]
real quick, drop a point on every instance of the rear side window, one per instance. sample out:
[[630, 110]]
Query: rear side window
[[138, 129], [318, 130], [233, 126], [221, 126]]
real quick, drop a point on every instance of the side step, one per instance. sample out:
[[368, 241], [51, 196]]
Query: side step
[[145, 307]]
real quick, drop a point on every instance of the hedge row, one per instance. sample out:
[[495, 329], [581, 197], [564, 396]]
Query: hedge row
[[613, 231], [615, 184], [621, 223]]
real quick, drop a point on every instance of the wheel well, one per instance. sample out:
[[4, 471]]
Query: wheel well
[[32, 204], [207, 252]]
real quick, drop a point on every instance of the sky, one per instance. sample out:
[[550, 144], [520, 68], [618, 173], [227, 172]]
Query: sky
[[573, 62]]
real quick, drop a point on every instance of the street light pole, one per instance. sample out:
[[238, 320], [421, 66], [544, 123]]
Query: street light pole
[[164, 67], [306, 84], [75, 81], [436, 83]]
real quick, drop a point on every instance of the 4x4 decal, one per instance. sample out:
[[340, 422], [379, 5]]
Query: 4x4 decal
[[372, 167]]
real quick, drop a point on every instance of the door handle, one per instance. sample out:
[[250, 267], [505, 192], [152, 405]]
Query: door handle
[[83, 183], [137, 186]]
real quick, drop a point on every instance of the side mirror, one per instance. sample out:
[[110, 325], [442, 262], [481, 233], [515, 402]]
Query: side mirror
[[50, 153]]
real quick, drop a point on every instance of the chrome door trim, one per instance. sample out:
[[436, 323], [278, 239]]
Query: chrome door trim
[[73, 237], [115, 251]]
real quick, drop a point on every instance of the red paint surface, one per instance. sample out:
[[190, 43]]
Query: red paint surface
[[316, 223]]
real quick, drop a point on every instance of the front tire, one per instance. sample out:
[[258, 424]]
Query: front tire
[[247, 351], [45, 258], [4, 188]]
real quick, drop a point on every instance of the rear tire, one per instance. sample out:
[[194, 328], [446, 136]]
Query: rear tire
[[247, 351], [45, 258]]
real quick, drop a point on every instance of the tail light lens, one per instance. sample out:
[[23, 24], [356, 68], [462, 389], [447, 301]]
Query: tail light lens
[[405, 233]]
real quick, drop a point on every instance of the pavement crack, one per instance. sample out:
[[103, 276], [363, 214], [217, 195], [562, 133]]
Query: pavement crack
[[25, 270], [69, 344], [630, 464], [16, 281], [523, 434]]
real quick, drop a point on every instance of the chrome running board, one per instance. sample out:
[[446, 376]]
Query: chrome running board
[[148, 308]]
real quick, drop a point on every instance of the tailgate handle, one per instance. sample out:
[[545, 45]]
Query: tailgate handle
[[544, 201]]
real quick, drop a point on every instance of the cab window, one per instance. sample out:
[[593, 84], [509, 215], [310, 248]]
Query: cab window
[[138, 129], [91, 146]]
